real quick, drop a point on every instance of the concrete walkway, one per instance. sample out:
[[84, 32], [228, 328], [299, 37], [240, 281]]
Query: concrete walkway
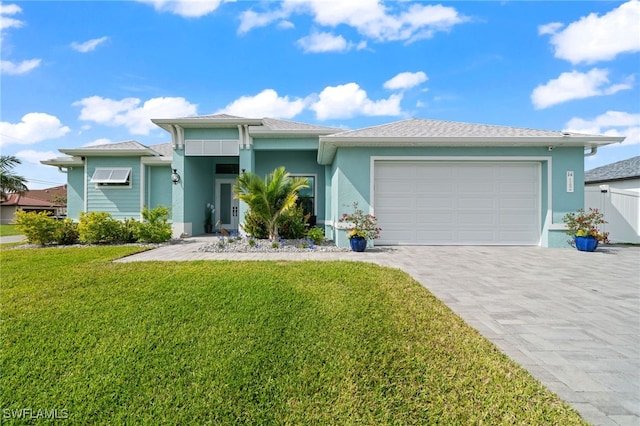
[[12, 239], [572, 319]]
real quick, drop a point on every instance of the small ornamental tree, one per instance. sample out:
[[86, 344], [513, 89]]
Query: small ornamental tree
[[271, 198]]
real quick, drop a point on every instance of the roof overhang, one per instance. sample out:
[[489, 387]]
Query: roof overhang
[[157, 161], [196, 123], [109, 152], [63, 162], [328, 145], [261, 131]]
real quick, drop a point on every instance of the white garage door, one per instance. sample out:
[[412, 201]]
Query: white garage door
[[474, 203]]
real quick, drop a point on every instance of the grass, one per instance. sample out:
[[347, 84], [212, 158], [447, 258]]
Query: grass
[[247, 342], [8, 229]]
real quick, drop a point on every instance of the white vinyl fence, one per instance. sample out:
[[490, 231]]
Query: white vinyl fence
[[621, 208]]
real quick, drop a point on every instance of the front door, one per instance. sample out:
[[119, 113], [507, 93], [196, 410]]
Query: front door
[[226, 205]]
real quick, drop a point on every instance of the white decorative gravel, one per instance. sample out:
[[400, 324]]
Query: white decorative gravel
[[243, 245]]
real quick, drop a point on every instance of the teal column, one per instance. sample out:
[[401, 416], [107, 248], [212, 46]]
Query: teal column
[[177, 197], [247, 162]]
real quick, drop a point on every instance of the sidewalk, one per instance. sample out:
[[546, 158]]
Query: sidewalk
[[11, 239]]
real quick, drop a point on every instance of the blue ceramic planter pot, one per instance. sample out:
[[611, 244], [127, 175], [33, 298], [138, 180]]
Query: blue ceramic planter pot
[[358, 243], [586, 243]]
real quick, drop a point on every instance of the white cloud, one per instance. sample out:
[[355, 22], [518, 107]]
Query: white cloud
[[575, 85], [6, 21], [12, 68], [35, 157], [326, 42], [371, 18], [611, 123], [265, 104], [129, 113], [550, 28], [250, 19], [406, 80], [89, 45], [596, 38], [348, 100], [184, 8], [34, 127]]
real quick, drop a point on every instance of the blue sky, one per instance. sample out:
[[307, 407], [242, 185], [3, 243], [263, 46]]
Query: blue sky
[[76, 73]]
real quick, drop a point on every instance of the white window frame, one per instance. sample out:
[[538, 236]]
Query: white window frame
[[110, 182]]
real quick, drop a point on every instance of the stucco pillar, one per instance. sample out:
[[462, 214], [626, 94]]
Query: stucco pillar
[[247, 164]]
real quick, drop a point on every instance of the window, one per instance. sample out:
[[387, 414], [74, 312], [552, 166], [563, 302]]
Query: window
[[227, 169], [307, 196], [112, 177]]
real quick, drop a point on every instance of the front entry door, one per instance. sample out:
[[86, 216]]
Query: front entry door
[[226, 205]]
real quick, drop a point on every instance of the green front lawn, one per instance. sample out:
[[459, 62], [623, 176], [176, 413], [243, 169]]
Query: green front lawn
[[8, 229], [247, 342]]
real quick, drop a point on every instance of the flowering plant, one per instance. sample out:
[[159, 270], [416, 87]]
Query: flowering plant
[[362, 225], [583, 223]]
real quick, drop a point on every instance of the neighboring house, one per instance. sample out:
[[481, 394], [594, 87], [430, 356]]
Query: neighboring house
[[50, 200], [427, 181], [614, 189]]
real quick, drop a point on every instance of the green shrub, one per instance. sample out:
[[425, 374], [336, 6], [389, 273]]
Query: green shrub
[[293, 224], [129, 231], [66, 232], [155, 228], [100, 227], [316, 235], [38, 227], [255, 226]]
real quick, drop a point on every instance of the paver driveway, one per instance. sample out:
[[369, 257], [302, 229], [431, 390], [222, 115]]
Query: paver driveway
[[571, 318]]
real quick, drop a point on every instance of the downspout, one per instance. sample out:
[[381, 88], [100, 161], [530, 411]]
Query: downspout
[[241, 137], [593, 151], [249, 139]]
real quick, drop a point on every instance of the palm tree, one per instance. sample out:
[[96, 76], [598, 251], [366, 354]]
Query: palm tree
[[270, 198], [9, 182]]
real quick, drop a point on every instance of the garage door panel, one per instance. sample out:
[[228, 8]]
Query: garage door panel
[[457, 202], [520, 219], [518, 204], [434, 203], [518, 188], [476, 203], [476, 219], [426, 218]]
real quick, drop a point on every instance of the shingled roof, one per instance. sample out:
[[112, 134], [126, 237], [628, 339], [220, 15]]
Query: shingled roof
[[424, 128], [620, 170], [48, 197]]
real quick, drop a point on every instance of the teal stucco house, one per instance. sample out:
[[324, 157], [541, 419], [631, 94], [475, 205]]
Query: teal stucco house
[[428, 182]]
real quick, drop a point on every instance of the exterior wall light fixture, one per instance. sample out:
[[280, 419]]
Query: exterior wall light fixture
[[175, 177]]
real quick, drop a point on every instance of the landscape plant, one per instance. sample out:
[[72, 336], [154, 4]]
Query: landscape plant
[[292, 225], [37, 227], [271, 198], [156, 227], [360, 224], [588, 223], [316, 235], [66, 232], [100, 227]]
